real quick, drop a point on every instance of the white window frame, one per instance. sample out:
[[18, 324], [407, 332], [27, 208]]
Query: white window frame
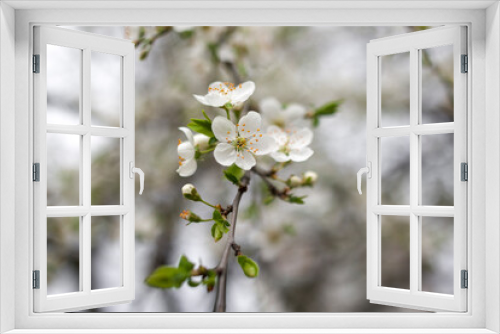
[[481, 17], [86, 297]]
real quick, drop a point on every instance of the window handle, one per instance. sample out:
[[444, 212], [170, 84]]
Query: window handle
[[365, 170], [134, 170]]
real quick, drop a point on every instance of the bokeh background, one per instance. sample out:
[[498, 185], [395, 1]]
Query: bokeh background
[[313, 256]]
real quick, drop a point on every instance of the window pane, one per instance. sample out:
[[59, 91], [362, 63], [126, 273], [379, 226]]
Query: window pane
[[106, 89], [437, 169], [395, 90], [437, 84], [395, 242], [437, 254], [63, 84], [395, 169], [105, 171], [63, 255], [63, 169], [106, 252]]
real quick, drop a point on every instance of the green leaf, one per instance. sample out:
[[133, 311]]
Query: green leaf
[[325, 110], [212, 141], [234, 174], [209, 280], [202, 126], [192, 283], [296, 199], [219, 228], [185, 265], [232, 178], [249, 266], [206, 116], [217, 216], [167, 277]]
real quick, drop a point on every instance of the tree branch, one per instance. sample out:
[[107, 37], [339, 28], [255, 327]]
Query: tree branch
[[221, 269], [264, 175]]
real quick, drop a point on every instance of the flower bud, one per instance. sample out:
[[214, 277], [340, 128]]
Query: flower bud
[[190, 216], [295, 181], [189, 192], [310, 177], [250, 268], [201, 141]]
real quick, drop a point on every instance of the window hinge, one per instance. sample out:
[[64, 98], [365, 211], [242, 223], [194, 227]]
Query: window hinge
[[465, 64], [36, 63], [36, 172], [464, 279], [36, 279], [464, 171]]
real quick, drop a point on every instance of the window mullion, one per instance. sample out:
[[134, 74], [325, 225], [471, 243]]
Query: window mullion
[[85, 249], [414, 171]]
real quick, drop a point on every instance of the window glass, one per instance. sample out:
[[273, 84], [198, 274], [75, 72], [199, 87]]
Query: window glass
[[106, 89], [106, 252], [63, 255], [63, 84], [63, 169], [395, 249], [437, 84], [395, 89]]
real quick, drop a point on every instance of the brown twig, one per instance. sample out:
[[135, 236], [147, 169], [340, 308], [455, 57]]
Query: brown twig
[[221, 269], [265, 175]]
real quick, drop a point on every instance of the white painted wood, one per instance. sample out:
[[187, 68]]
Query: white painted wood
[[413, 43], [471, 322], [492, 186], [86, 298], [254, 4], [92, 130], [256, 331], [7, 167]]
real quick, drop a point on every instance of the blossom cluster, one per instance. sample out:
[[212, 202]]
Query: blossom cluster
[[277, 131]]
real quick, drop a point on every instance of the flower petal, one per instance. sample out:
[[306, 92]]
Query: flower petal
[[245, 160], [218, 85], [225, 154], [301, 154], [295, 111], [300, 138], [250, 124], [242, 94], [188, 134], [278, 134], [262, 145], [187, 168], [279, 156], [216, 99], [200, 99], [186, 150], [223, 128], [270, 106]]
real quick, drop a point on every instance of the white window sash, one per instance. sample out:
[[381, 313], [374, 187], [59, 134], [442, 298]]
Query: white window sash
[[414, 297], [86, 297]]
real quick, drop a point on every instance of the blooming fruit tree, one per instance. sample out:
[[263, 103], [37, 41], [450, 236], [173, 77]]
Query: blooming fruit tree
[[240, 143]]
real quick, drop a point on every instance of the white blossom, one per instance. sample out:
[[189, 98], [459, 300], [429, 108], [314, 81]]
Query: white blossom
[[239, 143], [186, 152], [201, 141], [188, 188], [222, 93], [286, 118], [292, 144], [295, 181], [310, 177]]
